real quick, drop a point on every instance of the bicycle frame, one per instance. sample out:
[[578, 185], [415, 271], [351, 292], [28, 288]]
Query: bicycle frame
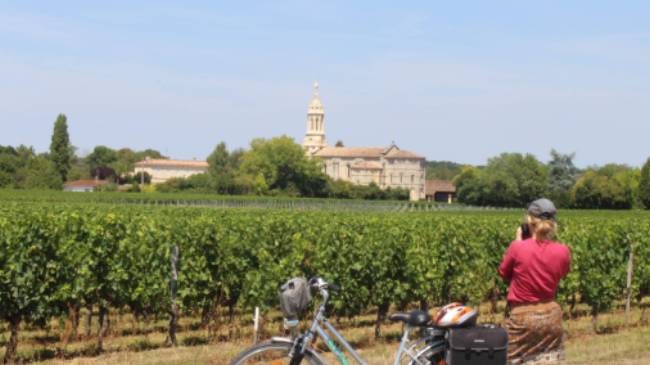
[[405, 346]]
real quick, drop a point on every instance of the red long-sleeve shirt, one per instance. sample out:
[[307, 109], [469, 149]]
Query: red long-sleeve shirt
[[534, 269]]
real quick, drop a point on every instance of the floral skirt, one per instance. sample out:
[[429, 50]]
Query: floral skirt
[[535, 334]]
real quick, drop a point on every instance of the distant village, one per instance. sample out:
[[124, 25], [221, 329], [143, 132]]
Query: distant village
[[386, 167]]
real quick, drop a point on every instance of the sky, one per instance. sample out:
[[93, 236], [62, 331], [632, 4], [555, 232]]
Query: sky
[[461, 81]]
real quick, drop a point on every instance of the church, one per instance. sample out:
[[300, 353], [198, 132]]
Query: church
[[385, 166]]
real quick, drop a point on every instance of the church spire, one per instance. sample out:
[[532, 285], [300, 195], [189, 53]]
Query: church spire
[[315, 136]]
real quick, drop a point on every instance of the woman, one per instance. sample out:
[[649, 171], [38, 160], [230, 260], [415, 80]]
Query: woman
[[533, 267]]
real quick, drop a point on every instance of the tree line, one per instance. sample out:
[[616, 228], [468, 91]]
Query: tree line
[[271, 167], [278, 166], [514, 179]]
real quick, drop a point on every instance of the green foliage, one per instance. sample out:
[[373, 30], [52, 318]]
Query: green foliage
[[121, 161], [101, 156], [562, 176], [341, 189], [284, 166], [22, 168], [442, 170], [644, 185], [223, 168], [79, 169], [57, 256], [509, 180], [469, 187], [61, 152], [29, 266], [610, 187], [138, 178], [41, 173]]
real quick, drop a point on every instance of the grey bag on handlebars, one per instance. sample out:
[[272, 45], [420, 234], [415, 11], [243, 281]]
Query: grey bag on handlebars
[[294, 297]]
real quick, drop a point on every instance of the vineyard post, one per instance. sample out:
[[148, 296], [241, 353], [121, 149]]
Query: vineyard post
[[173, 320], [256, 325], [630, 265]]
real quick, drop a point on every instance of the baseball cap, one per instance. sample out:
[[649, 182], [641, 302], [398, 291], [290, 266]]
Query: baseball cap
[[542, 208]]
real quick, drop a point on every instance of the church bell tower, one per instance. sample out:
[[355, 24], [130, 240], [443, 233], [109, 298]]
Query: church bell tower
[[315, 136]]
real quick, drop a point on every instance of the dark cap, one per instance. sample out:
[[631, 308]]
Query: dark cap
[[542, 208]]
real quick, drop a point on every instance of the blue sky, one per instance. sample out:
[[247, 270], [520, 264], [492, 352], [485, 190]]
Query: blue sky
[[460, 81]]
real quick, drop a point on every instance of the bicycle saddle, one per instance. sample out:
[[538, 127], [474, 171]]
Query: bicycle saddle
[[413, 318]]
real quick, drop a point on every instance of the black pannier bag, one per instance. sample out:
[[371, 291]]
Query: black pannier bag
[[294, 297], [484, 345]]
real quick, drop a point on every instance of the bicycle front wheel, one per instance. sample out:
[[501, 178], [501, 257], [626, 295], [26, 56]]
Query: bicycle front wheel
[[272, 354]]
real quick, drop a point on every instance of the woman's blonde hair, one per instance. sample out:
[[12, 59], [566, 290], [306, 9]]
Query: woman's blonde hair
[[542, 229]]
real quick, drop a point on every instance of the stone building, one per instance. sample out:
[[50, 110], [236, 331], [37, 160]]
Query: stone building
[[84, 186], [385, 166], [162, 170], [440, 191]]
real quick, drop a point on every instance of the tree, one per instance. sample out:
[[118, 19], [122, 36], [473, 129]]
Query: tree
[[41, 173], [283, 165], [508, 180], [218, 159], [339, 143], [644, 185], [609, 187], [101, 156], [22, 168], [222, 169], [442, 170], [562, 176], [79, 169], [60, 148], [469, 186], [9, 163], [515, 180]]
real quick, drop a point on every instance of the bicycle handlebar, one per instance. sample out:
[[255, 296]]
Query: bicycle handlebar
[[319, 283]]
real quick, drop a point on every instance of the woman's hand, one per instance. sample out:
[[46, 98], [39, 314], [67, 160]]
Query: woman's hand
[[519, 234]]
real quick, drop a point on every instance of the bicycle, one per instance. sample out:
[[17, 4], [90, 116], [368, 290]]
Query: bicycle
[[429, 349]]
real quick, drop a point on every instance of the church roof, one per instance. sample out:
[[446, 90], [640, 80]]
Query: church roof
[[397, 153], [349, 152], [169, 163], [368, 152]]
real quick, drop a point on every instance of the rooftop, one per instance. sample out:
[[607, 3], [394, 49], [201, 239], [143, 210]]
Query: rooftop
[[435, 186], [168, 163], [391, 151], [84, 183]]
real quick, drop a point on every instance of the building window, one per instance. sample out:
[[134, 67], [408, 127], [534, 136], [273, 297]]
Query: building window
[[412, 179], [401, 178]]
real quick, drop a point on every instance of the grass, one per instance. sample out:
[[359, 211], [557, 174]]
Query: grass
[[130, 344]]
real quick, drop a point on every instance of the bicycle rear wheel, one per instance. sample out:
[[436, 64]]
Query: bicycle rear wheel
[[272, 354]]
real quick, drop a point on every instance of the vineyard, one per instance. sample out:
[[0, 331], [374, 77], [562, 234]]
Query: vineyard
[[59, 260], [228, 201]]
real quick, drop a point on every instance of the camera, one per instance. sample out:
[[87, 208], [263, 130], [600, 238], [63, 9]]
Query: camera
[[525, 231]]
